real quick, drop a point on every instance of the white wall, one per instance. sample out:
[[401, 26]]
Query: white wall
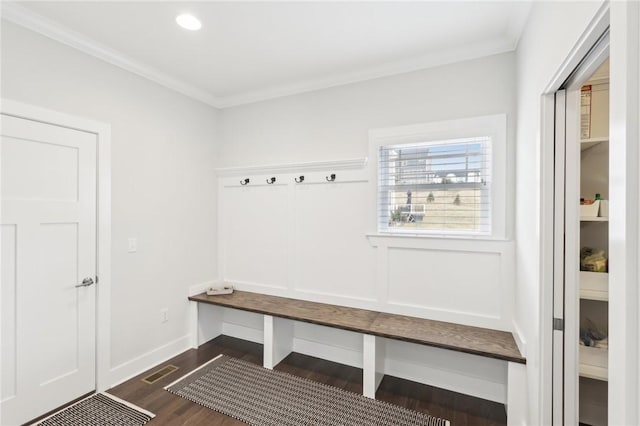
[[551, 32], [163, 185]]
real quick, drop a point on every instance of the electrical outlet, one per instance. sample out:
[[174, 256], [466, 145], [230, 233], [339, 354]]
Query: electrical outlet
[[133, 245], [164, 315]]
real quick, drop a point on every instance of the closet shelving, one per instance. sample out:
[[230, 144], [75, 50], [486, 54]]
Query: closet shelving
[[594, 219], [594, 233], [594, 286], [592, 142], [593, 363]]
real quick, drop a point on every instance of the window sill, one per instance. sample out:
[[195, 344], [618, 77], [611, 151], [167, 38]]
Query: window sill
[[443, 242]]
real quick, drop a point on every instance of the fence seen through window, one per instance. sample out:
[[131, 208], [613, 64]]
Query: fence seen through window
[[436, 187]]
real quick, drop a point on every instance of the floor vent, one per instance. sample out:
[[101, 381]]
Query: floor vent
[[164, 371]]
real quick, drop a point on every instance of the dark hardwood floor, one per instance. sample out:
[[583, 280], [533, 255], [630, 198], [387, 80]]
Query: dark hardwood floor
[[173, 410]]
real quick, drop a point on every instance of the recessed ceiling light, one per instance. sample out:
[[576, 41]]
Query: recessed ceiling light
[[188, 22]]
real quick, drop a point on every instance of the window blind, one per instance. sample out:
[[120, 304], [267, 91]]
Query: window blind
[[436, 187]]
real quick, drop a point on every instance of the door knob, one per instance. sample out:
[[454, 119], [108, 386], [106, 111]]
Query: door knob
[[86, 282]]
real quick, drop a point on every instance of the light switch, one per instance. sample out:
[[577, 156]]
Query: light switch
[[133, 245]]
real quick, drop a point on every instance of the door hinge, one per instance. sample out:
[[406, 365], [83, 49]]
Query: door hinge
[[96, 279], [558, 324]]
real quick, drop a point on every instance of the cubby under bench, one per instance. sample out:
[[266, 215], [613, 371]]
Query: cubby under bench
[[375, 327]]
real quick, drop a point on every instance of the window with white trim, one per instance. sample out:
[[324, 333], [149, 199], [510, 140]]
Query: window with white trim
[[439, 178]]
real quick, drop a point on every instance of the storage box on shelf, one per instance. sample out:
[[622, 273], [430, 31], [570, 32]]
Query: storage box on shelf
[[590, 210], [596, 211]]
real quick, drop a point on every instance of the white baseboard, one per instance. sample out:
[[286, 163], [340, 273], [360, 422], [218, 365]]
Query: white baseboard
[[430, 374], [243, 332], [456, 381], [328, 352], [138, 365], [421, 373], [446, 379]]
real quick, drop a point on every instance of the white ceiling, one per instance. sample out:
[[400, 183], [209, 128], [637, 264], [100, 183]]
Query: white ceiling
[[250, 51]]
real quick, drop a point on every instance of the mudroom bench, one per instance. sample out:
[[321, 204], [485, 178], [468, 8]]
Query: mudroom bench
[[375, 327]]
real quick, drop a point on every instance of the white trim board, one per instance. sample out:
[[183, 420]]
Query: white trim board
[[624, 231], [103, 261], [311, 166]]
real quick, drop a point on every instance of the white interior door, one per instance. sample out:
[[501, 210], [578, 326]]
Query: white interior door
[[566, 294], [558, 260], [48, 233], [565, 258]]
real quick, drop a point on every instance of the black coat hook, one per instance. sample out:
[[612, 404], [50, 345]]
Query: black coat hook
[[331, 178], [272, 180], [244, 182], [299, 180]]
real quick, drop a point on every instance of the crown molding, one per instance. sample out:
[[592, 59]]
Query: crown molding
[[434, 59], [517, 22], [313, 166], [39, 24], [21, 16]]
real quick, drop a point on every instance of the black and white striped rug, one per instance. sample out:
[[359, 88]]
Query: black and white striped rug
[[99, 409], [263, 397]]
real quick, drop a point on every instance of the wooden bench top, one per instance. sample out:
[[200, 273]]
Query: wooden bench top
[[462, 338]]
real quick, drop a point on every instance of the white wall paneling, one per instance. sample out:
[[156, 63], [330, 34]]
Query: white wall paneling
[[313, 241], [464, 281], [280, 238], [310, 241], [413, 272], [8, 297], [256, 212], [332, 256]]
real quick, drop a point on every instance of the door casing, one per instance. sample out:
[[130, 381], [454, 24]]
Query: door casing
[[583, 46], [103, 258]]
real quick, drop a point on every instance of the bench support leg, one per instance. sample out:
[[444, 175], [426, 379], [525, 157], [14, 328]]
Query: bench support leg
[[516, 394], [206, 322], [373, 364], [195, 326], [278, 340]]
